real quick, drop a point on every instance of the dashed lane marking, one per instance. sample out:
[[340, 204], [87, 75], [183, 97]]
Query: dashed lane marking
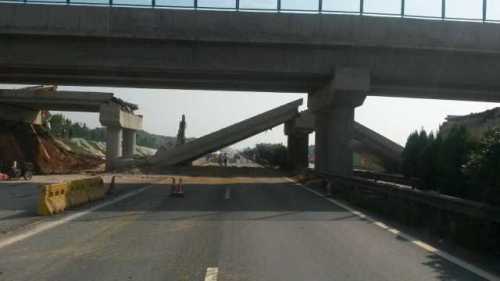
[[211, 274], [458, 261], [227, 194]]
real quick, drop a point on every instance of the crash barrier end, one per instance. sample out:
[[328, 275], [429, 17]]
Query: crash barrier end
[[55, 198]]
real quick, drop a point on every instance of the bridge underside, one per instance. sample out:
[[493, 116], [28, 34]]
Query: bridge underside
[[246, 51], [214, 66]]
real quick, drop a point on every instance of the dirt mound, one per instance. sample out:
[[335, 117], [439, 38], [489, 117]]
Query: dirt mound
[[31, 143]]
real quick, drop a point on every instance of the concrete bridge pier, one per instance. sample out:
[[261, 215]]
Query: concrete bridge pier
[[114, 149], [297, 145], [129, 142], [121, 127], [333, 109]]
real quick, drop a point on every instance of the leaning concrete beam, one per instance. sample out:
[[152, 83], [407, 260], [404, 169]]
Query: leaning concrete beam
[[227, 136], [113, 115]]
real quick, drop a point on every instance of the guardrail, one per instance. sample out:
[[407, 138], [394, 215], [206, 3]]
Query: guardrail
[[468, 223], [399, 179], [358, 7], [431, 199]]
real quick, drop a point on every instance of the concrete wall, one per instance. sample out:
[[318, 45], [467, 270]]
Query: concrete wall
[[246, 51]]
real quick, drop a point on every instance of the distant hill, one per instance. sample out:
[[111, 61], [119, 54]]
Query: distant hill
[[96, 148]]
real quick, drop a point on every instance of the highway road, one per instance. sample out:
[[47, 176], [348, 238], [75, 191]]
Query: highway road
[[260, 229]]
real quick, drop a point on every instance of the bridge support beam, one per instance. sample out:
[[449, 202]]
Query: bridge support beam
[[129, 142], [333, 108]]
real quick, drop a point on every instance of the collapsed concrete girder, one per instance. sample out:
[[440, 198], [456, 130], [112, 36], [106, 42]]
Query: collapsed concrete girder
[[25, 104], [19, 114]]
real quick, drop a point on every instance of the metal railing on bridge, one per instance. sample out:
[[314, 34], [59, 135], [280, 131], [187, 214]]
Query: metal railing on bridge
[[462, 10]]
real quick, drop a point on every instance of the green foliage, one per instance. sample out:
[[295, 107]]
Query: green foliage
[[438, 161], [268, 154], [65, 128], [483, 167]]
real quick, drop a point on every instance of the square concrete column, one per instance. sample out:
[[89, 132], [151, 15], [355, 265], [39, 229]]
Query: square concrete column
[[129, 142], [333, 108], [334, 132], [298, 150], [113, 145]]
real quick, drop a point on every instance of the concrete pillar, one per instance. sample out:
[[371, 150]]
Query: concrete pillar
[[129, 142], [334, 132], [333, 108], [113, 145], [298, 150]]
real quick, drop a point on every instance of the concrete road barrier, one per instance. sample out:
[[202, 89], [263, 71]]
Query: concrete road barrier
[[55, 198]]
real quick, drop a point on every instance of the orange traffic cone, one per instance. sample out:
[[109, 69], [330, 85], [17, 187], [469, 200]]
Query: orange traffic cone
[[173, 187]]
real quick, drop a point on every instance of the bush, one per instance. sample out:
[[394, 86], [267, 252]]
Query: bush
[[274, 155]]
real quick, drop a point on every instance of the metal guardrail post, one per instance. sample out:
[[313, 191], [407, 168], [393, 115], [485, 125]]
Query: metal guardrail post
[[320, 6], [237, 5], [111, 2], [403, 8], [195, 3], [485, 10], [153, 3], [443, 9], [278, 3], [361, 7]]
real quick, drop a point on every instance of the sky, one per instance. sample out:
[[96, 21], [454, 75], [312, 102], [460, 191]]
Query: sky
[[207, 111]]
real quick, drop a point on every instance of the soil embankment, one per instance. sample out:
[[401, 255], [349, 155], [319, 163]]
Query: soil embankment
[[31, 143]]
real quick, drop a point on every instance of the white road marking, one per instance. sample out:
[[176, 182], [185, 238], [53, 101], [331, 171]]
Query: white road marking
[[458, 261], [227, 194], [211, 274], [44, 226]]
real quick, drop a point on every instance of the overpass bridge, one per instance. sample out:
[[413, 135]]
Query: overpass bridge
[[25, 105], [337, 59]]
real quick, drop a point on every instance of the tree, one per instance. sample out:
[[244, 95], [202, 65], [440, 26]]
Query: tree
[[483, 167], [453, 154], [412, 153]]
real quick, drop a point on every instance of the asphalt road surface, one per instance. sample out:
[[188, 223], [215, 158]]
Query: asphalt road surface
[[265, 229]]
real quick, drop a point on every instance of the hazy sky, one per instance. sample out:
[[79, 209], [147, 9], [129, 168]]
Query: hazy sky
[[209, 111]]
